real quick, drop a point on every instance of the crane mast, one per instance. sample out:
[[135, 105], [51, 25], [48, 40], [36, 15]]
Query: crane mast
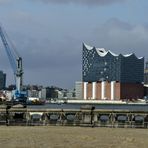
[[16, 64]]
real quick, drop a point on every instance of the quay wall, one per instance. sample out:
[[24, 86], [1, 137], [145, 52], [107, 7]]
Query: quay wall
[[85, 116]]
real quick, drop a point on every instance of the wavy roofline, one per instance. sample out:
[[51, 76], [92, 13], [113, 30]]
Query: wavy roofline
[[103, 52]]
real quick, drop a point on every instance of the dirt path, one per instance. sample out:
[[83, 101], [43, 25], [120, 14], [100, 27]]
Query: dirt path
[[72, 137]]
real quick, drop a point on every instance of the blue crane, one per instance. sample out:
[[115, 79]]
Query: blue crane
[[15, 60]]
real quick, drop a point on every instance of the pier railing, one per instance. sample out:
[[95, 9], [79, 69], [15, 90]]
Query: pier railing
[[74, 117]]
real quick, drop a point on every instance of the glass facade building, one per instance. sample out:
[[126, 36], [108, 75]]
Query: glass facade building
[[101, 65]]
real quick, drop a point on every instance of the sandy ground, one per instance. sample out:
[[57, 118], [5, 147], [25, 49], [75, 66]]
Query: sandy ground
[[72, 137]]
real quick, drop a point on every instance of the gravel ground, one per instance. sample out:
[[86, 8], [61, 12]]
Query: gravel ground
[[72, 137]]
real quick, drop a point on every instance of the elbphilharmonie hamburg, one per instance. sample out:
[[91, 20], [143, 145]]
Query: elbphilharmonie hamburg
[[110, 76]]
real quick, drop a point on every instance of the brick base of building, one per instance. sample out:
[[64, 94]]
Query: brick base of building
[[123, 91]]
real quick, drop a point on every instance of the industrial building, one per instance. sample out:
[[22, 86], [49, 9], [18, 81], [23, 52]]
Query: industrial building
[[106, 75]]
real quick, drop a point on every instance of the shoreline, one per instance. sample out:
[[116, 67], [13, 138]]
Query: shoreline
[[106, 102]]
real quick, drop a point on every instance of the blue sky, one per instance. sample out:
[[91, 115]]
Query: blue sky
[[48, 34]]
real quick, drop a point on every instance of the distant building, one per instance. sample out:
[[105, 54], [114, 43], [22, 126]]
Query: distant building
[[66, 94], [34, 93], [71, 94], [107, 75], [49, 92], [2, 80], [43, 93], [78, 90], [146, 74], [61, 94], [146, 80]]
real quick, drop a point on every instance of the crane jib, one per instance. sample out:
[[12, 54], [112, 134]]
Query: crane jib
[[16, 64]]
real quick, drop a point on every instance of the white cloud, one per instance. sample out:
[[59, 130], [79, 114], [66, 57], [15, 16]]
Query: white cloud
[[122, 37], [52, 55]]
